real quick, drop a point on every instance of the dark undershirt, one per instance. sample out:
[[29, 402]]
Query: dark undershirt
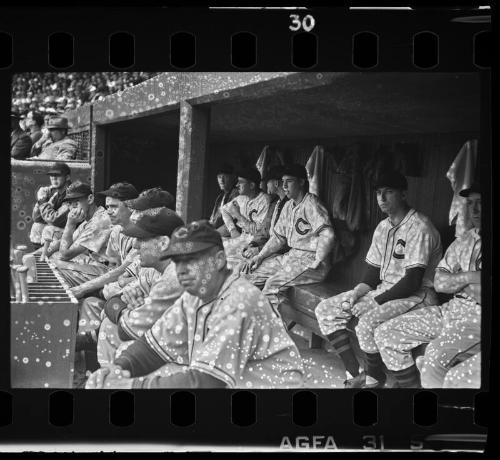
[[404, 288]]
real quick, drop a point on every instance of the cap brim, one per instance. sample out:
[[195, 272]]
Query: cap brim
[[466, 192], [55, 173], [74, 197], [134, 231], [179, 249]]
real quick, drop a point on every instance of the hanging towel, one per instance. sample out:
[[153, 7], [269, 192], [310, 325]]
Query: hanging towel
[[267, 159], [315, 168], [461, 175]]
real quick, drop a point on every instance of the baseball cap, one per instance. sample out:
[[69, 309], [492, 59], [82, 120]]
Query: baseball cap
[[474, 188], [275, 172], [250, 174], [121, 190], [59, 169], [77, 190], [152, 198], [295, 170], [225, 168], [57, 123], [392, 179], [152, 222], [189, 239]]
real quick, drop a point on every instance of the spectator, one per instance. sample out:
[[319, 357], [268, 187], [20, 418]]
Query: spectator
[[20, 142], [34, 124], [59, 146]]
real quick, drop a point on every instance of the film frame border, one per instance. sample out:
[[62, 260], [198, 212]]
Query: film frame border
[[34, 403]]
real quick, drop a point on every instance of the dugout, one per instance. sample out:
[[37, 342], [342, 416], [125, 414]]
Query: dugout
[[175, 129]]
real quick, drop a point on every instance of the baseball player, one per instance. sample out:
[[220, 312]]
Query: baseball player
[[303, 226], [119, 246], [51, 210], [453, 330], [129, 279], [405, 250], [227, 184], [274, 183], [249, 211], [81, 252], [151, 229], [220, 333]]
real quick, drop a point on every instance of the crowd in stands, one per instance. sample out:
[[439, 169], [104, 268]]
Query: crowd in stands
[[54, 93]]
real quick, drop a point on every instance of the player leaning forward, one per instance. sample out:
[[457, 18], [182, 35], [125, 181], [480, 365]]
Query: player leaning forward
[[221, 332], [305, 227], [405, 250], [453, 330], [151, 231]]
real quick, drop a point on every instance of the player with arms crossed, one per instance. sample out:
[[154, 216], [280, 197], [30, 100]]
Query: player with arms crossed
[[453, 330], [221, 332], [405, 249]]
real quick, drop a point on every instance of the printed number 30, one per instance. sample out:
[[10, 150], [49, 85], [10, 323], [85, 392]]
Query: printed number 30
[[307, 23]]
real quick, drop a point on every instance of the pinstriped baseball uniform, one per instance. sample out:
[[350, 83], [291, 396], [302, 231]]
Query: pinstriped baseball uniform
[[453, 330], [299, 227], [414, 242], [236, 338], [134, 322], [255, 210]]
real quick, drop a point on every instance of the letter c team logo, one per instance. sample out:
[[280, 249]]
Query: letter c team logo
[[250, 215], [306, 227]]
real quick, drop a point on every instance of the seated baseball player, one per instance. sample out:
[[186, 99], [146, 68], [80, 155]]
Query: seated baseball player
[[227, 184], [50, 210], [129, 280], [119, 246], [453, 330], [274, 183], [151, 230], [400, 265], [249, 211], [82, 247], [304, 226], [220, 333]]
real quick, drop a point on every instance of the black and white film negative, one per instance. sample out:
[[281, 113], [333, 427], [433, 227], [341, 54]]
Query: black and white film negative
[[247, 228]]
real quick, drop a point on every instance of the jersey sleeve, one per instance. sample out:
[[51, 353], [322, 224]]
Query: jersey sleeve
[[95, 235], [317, 216], [226, 348], [374, 255], [282, 224], [451, 260], [163, 294], [169, 335], [420, 244], [113, 246]]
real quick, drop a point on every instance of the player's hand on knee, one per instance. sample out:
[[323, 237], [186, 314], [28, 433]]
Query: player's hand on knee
[[96, 380], [254, 262], [360, 308], [250, 252]]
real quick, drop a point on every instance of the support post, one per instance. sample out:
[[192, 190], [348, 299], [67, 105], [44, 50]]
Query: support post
[[193, 137]]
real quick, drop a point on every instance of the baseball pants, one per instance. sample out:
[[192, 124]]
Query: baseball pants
[[333, 316], [76, 274], [458, 340], [91, 310], [465, 375], [108, 342], [233, 248], [278, 273]]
